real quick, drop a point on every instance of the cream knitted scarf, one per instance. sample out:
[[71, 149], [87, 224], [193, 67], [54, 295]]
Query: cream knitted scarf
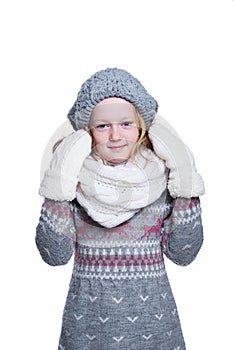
[[113, 194]]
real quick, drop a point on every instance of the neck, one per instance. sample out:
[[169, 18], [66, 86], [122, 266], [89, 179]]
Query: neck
[[110, 163]]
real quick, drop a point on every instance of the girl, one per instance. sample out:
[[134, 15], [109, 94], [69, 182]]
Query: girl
[[121, 191]]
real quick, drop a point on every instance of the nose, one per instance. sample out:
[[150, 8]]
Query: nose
[[115, 133]]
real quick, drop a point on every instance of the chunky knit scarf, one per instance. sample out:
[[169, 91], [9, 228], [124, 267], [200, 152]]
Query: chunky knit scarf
[[113, 194]]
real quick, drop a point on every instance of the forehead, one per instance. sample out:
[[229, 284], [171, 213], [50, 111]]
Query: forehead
[[113, 112]]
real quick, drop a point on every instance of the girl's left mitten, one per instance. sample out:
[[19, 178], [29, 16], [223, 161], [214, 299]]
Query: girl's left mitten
[[184, 180]]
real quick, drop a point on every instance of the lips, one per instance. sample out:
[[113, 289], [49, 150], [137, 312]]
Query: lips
[[117, 147]]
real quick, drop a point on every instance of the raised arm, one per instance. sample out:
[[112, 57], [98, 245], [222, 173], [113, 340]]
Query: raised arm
[[182, 231], [55, 232]]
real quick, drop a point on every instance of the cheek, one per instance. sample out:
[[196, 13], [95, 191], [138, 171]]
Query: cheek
[[99, 138], [133, 135]]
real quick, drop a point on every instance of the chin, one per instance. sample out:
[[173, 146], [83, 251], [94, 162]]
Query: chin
[[117, 158]]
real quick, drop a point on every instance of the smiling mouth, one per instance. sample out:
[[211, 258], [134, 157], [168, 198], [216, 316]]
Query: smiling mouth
[[117, 148]]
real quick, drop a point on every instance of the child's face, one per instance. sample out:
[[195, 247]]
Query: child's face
[[114, 128]]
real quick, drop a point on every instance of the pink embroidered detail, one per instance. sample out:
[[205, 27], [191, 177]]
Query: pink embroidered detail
[[118, 260], [86, 231], [153, 230], [58, 209], [185, 203]]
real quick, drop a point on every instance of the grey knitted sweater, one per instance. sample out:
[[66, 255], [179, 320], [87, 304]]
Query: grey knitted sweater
[[119, 295]]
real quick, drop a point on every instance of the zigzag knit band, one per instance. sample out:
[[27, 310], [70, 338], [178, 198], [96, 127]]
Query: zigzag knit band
[[111, 82]]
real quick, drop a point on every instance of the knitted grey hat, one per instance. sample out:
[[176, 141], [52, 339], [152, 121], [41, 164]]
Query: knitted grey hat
[[111, 82]]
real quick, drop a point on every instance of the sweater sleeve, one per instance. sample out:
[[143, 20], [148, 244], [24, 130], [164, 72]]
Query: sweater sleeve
[[182, 231], [55, 232]]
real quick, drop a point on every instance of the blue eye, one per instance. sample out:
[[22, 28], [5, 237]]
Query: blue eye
[[127, 124], [102, 126]]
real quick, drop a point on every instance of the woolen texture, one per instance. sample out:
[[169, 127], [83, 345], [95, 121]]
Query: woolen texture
[[111, 82], [119, 296], [108, 196]]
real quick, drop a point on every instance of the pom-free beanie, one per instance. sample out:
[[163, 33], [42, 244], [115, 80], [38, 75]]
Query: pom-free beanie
[[111, 82]]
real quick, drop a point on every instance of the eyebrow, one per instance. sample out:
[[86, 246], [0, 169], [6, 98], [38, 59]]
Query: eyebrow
[[121, 120]]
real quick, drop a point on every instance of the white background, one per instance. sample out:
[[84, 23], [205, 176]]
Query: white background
[[182, 52]]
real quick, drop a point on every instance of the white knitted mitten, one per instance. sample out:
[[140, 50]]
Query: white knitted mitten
[[60, 180], [184, 181]]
